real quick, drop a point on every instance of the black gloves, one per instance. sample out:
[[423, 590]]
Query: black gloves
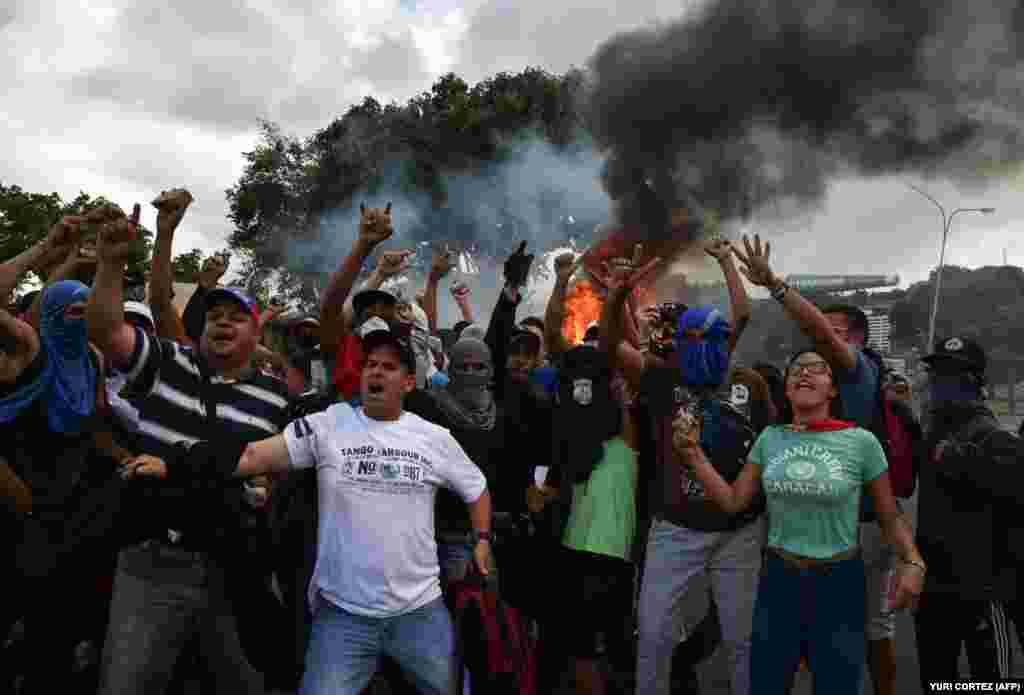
[[517, 267]]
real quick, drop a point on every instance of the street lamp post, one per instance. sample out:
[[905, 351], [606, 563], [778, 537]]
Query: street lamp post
[[947, 222]]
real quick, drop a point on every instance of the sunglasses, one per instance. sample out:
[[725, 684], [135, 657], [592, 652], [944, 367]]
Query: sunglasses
[[819, 368]]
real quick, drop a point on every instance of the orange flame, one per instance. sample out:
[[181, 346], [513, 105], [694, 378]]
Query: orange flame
[[582, 308]]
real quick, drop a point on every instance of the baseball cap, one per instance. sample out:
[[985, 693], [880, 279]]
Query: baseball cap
[[140, 309], [367, 298], [960, 349], [239, 297], [377, 338]]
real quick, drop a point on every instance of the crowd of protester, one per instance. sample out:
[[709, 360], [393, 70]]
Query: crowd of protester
[[392, 506]]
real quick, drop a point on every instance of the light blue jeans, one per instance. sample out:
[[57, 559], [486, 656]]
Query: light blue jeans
[[675, 556], [344, 649]]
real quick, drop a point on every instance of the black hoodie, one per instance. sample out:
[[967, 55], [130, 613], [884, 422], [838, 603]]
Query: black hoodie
[[970, 505]]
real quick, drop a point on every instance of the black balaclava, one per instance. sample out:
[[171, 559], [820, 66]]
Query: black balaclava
[[588, 414], [467, 398]]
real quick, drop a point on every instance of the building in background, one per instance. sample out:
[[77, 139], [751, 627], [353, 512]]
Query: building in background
[[879, 330]]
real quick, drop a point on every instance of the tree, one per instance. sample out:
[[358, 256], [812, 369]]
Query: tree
[[186, 266], [26, 217], [288, 184]]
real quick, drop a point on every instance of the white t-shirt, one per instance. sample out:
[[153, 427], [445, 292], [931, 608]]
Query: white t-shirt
[[376, 554]]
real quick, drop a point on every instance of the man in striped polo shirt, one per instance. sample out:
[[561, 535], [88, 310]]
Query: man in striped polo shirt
[[171, 587]]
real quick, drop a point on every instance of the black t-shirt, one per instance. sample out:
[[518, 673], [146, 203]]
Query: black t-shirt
[[51, 463], [683, 500]]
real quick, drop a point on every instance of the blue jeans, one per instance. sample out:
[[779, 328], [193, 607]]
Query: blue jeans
[[344, 649], [817, 611], [163, 596], [675, 557]]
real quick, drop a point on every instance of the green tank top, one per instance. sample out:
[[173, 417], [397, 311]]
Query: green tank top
[[603, 515]]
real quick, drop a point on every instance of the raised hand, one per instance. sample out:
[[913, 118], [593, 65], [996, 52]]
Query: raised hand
[[756, 267], [213, 270], [624, 273], [442, 264], [78, 264], [718, 248], [117, 232], [392, 263], [171, 206], [517, 267], [63, 236], [375, 225], [566, 265]]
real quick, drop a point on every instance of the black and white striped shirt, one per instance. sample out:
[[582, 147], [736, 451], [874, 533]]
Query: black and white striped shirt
[[166, 383]]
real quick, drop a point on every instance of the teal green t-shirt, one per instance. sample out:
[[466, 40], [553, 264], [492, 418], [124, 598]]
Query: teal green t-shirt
[[813, 482], [603, 515]]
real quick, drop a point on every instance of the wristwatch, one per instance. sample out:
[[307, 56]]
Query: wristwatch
[[779, 292], [481, 536]]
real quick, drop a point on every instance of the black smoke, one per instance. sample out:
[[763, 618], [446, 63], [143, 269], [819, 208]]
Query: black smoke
[[750, 102]]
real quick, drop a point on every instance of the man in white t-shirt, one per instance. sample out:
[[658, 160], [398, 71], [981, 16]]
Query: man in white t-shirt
[[375, 588]]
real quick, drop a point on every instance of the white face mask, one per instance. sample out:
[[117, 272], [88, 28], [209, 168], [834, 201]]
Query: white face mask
[[374, 323]]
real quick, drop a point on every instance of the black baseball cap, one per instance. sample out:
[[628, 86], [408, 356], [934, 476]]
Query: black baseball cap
[[379, 337], [367, 298], [961, 350]]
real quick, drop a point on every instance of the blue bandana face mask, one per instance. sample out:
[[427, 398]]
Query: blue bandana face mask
[[943, 389], [702, 344]]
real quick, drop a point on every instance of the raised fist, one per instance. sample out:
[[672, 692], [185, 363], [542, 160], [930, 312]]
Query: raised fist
[[375, 224], [517, 267], [213, 270], [171, 205], [566, 264], [117, 232], [442, 264], [63, 236]]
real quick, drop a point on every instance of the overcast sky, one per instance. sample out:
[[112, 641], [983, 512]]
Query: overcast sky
[[128, 98]]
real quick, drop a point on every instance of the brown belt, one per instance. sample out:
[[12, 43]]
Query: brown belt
[[814, 562]]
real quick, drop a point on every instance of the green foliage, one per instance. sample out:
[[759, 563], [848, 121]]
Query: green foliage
[[26, 217], [186, 266]]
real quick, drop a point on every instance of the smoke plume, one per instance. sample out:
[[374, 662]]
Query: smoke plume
[[537, 192], [751, 102]]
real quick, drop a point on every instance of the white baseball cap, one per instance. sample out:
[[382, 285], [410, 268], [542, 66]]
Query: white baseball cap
[[140, 309]]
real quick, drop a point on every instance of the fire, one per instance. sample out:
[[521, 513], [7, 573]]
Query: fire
[[582, 308]]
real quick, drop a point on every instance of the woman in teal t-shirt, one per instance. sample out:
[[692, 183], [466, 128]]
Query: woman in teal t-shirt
[[810, 598]]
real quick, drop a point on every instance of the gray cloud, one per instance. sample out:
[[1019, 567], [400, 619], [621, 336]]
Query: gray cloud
[[394, 65], [168, 95]]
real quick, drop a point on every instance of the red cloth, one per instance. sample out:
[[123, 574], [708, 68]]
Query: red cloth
[[826, 425], [348, 367]]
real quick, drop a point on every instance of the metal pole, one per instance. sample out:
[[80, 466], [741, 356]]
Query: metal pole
[[947, 224], [938, 280]]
